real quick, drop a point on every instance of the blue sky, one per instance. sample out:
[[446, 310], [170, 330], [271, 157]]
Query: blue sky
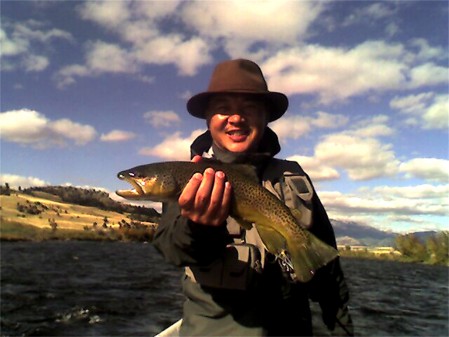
[[91, 88]]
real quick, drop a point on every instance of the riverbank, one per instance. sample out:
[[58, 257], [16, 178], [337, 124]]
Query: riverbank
[[32, 218]]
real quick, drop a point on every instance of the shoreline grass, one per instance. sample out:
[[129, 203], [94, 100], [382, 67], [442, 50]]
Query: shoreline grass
[[15, 231]]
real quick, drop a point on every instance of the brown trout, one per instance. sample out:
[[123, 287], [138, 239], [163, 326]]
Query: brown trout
[[300, 252]]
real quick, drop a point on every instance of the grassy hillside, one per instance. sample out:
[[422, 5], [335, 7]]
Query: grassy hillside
[[44, 215]]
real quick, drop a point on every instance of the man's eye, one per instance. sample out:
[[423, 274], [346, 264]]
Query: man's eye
[[221, 108], [251, 108]]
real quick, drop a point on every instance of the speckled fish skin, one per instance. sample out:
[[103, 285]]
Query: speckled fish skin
[[251, 204]]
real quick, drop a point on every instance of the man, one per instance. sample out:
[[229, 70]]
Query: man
[[233, 286]]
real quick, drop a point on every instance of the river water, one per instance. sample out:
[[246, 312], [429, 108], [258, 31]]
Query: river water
[[126, 289]]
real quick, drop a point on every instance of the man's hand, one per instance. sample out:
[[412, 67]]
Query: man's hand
[[206, 198]]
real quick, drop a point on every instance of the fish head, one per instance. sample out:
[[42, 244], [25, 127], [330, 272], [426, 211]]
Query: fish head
[[149, 182]]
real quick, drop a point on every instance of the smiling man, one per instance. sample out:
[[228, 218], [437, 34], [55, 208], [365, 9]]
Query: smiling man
[[233, 285]]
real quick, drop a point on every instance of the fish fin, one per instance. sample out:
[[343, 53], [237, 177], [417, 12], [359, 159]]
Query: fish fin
[[271, 238], [243, 223], [308, 257]]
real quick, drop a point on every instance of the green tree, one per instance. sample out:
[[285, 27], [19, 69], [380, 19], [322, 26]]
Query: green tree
[[438, 248], [410, 246]]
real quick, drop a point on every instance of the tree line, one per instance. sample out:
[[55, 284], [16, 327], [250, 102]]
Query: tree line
[[434, 250]]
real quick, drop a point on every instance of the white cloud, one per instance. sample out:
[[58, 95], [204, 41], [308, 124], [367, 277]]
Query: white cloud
[[105, 57], [35, 63], [427, 52], [369, 13], [412, 104], [336, 74], [105, 13], [355, 150], [317, 170], [117, 136], [25, 44], [426, 191], [29, 127], [138, 25], [427, 74], [428, 110], [376, 126], [431, 169], [437, 114], [15, 181], [223, 21], [291, 127], [174, 147], [386, 200], [100, 58], [297, 126], [402, 208], [328, 121], [187, 54], [362, 158], [162, 118]]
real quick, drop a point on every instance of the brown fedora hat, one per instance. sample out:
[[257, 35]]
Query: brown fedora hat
[[242, 77]]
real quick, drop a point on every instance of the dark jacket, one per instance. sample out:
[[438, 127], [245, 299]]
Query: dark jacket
[[271, 305]]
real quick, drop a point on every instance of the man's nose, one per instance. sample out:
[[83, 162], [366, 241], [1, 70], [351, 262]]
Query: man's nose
[[236, 118]]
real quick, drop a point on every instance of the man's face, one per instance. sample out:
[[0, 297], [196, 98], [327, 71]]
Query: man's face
[[236, 122]]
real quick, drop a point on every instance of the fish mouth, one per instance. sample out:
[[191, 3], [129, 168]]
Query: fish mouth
[[137, 192]]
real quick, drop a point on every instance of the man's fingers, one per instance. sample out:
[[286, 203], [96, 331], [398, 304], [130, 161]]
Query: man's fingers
[[205, 190], [188, 195], [216, 198], [196, 159], [206, 198]]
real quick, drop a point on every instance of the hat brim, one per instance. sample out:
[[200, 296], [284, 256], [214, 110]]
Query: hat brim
[[197, 104]]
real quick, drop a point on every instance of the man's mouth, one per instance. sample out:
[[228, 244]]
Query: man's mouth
[[238, 135]]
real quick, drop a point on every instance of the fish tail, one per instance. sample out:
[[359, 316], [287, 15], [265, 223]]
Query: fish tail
[[309, 255]]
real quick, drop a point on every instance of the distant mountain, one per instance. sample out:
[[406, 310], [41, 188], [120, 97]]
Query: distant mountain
[[354, 234]]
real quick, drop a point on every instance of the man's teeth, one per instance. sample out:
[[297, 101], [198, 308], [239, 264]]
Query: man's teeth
[[237, 133]]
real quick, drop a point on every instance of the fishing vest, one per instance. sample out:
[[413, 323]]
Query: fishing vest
[[247, 255]]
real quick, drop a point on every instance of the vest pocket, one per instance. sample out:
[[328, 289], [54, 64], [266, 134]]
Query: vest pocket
[[237, 268]]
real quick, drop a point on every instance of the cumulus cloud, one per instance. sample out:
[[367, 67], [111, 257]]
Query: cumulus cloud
[[427, 110], [431, 169], [117, 136], [31, 128], [161, 118], [24, 44], [376, 126], [218, 21], [338, 73], [174, 147], [391, 206], [362, 158], [297, 126], [357, 150], [371, 12], [383, 202], [426, 191], [138, 25], [291, 127], [317, 170], [291, 63], [15, 181]]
